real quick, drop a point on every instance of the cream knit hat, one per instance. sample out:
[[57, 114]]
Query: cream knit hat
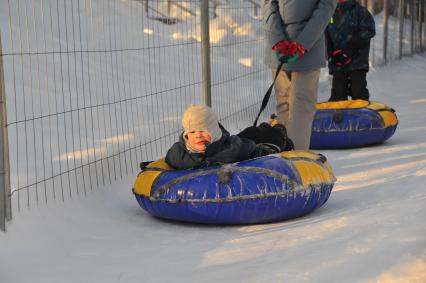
[[201, 118]]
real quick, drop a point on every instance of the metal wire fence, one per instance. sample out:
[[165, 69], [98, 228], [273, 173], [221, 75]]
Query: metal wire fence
[[94, 87], [400, 27]]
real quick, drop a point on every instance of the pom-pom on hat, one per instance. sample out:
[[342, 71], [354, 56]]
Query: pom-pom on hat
[[201, 118]]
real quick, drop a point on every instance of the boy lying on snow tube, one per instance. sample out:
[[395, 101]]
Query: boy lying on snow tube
[[205, 142], [254, 188]]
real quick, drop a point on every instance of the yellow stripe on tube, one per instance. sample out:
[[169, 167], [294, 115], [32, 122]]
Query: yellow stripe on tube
[[300, 153], [344, 104], [305, 167], [144, 187], [389, 118], [377, 106], [388, 115]]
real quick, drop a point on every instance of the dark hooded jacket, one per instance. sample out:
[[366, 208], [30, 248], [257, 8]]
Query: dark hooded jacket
[[227, 149], [350, 29]]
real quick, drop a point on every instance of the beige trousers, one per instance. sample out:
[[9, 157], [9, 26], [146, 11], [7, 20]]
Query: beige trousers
[[296, 94]]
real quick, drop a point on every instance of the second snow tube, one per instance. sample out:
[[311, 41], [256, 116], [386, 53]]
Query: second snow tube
[[352, 123]]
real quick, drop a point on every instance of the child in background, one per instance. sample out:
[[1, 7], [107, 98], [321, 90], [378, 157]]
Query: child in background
[[205, 142], [348, 46]]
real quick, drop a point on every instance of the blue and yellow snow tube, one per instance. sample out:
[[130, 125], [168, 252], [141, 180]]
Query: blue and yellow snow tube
[[351, 123], [265, 189]]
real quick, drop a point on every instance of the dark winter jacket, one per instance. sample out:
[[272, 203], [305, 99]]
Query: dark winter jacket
[[227, 149], [351, 29]]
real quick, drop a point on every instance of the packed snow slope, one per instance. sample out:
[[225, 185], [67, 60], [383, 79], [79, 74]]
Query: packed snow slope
[[372, 228]]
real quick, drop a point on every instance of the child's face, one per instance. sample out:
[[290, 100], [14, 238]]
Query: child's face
[[197, 140]]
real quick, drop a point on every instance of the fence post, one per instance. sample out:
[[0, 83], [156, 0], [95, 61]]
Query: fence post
[[401, 26], [169, 8], [420, 18], [424, 21], [385, 31], [205, 53], [372, 6], [5, 205], [412, 26]]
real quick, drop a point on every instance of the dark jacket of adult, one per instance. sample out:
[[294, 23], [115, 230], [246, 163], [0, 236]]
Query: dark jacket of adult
[[227, 149], [350, 30], [303, 21]]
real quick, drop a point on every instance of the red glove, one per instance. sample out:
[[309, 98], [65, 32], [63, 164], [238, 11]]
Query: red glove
[[290, 50]]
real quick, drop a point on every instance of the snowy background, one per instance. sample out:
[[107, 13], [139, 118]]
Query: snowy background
[[94, 87], [372, 228]]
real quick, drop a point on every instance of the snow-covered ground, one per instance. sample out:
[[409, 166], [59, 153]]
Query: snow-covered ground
[[372, 228]]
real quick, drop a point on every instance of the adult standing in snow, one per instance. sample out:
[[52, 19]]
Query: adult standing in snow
[[348, 46], [295, 32]]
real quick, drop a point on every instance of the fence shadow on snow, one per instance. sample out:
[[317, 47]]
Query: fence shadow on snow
[[94, 87]]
